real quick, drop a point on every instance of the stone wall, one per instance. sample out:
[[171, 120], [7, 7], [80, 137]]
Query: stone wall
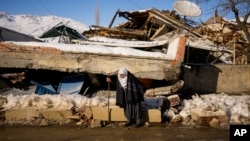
[[231, 79]]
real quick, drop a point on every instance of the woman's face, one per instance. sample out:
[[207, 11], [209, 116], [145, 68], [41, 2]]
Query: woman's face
[[122, 75]]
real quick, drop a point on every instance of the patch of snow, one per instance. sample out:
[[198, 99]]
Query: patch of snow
[[122, 42], [97, 49], [235, 107]]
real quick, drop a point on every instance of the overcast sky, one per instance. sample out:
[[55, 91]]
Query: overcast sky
[[84, 10]]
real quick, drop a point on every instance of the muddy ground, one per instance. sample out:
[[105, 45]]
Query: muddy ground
[[157, 132]]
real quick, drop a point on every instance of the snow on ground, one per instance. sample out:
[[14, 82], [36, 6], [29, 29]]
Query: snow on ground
[[235, 106]]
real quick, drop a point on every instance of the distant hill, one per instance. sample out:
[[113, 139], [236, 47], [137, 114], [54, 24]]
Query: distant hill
[[36, 25]]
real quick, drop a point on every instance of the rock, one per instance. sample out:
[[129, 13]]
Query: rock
[[44, 122], [95, 123], [88, 112], [214, 123], [175, 119]]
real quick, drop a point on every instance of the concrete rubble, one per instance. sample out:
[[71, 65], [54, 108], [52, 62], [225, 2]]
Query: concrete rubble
[[170, 110], [146, 31]]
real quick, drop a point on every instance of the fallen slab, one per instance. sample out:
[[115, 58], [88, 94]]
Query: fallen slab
[[94, 59]]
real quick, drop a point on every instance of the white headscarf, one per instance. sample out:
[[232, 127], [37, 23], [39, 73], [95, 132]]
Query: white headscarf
[[123, 81]]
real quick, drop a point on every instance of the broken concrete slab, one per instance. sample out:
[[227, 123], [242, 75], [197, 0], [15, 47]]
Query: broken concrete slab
[[158, 91], [165, 90], [144, 64]]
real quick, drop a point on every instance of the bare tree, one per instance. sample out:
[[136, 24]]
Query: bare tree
[[240, 9]]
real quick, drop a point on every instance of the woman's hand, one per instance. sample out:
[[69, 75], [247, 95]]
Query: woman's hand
[[108, 79]]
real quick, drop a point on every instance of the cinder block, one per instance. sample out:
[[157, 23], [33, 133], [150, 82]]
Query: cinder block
[[154, 115], [117, 114], [21, 114], [100, 113], [207, 116], [56, 114], [174, 100]]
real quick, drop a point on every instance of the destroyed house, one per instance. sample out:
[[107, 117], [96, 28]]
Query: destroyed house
[[85, 57], [152, 44], [141, 25], [162, 25]]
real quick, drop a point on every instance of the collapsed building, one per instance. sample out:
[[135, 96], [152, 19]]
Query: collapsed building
[[153, 44], [213, 36]]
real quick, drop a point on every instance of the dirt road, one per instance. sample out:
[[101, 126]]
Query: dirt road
[[75, 133]]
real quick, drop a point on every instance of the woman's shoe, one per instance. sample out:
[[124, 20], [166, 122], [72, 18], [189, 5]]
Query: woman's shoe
[[127, 124], [138, 123]]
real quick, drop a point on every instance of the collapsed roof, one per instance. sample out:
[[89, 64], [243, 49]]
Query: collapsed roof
[[11, 35], [142, 25], [66, 33], [223, 39]]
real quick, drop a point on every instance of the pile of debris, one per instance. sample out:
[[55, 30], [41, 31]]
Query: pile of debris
[[149, 30], [225, 33], [143, 25], [220, 37]]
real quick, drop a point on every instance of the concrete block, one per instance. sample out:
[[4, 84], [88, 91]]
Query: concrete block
[[117, 114], [21, 114], [207, 116], [174, 100], [54, 114], [100, 113], [154, 115]]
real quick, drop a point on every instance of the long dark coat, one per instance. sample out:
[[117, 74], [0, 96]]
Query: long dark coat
[[134, 91]]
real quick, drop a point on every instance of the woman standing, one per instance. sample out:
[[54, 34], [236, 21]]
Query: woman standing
[[129, 95]]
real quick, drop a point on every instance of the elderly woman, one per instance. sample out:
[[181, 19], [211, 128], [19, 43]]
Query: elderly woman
[[129, 95]]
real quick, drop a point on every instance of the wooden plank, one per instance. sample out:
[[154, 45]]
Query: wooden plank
[[159, 32], [158, 91], [172, 22]]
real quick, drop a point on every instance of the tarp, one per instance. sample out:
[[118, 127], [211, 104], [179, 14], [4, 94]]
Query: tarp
[[71, 84], [44, 88], [62, 30], [68, 85]]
